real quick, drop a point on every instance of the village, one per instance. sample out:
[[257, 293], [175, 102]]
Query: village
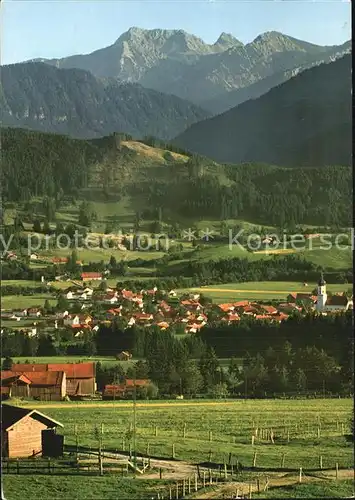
[[82, 307]]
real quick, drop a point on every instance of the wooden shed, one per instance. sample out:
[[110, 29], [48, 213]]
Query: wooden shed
[[46, 386], [80, 377], [22, 431], [14, 385]]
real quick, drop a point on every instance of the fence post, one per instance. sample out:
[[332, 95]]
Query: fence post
[[210, 435], [173, 451], [184, 431], [300, 476], [252, 440], [123, 444], [321, 462], [210, 456], [156, 431], [183, 488], [189, 484], [254, 459], [204, 478], [170, 493], [258, 485], [266, 487], [249, 490], [225, 471], [177, 489], [210, 476], [196, 485]]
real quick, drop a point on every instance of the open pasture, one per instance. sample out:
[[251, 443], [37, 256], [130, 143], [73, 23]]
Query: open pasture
[[208, 431], [261, 290], [22, 301]]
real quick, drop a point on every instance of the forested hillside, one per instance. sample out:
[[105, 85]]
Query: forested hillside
[[36, 164], [306, 121], [72, 101]]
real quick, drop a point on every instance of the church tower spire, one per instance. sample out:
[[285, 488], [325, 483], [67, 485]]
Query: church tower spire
[[321, 293]]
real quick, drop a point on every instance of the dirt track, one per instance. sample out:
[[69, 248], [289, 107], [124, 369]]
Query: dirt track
[[230, 490]]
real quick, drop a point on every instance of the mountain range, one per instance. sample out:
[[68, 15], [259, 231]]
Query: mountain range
[[282, 100], [72, 101], [305, 121], [176, 62]]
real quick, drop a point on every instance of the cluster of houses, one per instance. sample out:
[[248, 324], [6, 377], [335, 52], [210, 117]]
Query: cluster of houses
[[164, 309]]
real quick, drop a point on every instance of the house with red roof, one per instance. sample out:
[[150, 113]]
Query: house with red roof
[[191, 305], [268, 309], [124, 390], [231, 317], [92, 276], [226, 307]]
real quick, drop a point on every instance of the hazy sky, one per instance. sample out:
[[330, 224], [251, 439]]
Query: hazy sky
[[50, 28]]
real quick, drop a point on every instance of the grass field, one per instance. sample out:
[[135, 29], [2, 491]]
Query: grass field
[[109, 487], [104, 360], [22, 301], [260, 290], [213, 430], [231, 423]]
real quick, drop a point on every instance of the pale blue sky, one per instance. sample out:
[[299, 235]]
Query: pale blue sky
[[49, 28]]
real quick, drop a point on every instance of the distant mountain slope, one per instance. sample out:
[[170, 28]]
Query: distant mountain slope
[[304, 121], [73, 101], [176, 62], [228, 100]]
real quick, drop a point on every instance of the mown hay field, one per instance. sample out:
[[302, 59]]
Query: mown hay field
[[303, 430]]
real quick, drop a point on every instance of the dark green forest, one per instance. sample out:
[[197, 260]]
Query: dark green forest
[[300, 355], [37, 164]]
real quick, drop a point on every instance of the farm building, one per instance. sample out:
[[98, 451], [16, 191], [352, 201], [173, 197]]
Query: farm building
[[113, 391], [23, 431], [91, 276], [80, 377], [14, 384], [124, 356], [125, 390], [47, 386]]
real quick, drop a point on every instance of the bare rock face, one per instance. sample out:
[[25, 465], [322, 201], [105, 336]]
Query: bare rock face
[[179, 63]]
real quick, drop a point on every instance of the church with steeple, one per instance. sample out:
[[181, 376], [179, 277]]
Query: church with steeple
[[325, 303]]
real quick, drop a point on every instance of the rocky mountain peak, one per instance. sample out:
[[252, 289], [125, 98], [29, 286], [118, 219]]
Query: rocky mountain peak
[[227, 39]]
